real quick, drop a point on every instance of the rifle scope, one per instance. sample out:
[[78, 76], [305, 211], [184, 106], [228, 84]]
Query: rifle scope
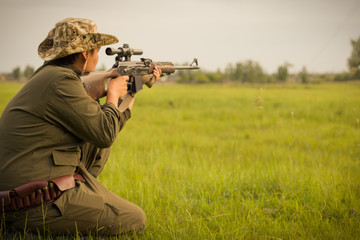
[[124, 51]]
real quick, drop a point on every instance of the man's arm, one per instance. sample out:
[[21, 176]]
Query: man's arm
[[71, 108]]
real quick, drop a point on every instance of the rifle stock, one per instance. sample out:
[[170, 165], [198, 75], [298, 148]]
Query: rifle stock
[[94, 83]]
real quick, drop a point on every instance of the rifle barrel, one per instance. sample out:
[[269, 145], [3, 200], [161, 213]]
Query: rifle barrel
[[186, 67]]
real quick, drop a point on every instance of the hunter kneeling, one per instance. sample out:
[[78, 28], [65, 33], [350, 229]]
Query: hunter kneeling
[[55, 141]]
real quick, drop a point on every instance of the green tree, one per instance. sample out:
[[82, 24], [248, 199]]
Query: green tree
[[184, 76], [283, 72], [354, 59], [252, 72], [304, 75], [215, 77], [248, 71], [229, 72], [28, 72], [200, 77], [238, 72], [16, 73]]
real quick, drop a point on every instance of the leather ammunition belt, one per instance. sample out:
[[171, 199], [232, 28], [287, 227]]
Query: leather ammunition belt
[[35, 193]]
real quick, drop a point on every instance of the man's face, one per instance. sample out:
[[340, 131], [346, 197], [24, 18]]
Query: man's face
[[93, 58]]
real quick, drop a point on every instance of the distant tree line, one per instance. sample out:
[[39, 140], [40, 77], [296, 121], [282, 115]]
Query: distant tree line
[[251, 72], [17, 74], [241, 72]]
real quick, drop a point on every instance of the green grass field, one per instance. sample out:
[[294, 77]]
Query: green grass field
[[240, 161]]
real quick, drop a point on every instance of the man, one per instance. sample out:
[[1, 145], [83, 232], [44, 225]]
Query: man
[[53, 130]]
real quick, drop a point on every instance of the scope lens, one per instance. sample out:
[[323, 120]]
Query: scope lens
[[108, 51]]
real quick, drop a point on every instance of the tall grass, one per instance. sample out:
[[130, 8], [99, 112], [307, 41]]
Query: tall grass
[[241, 162]]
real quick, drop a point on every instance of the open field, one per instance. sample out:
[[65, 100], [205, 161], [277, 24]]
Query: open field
[[240, 162]]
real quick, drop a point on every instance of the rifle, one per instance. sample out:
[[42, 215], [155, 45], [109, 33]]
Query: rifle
[[139, 72]]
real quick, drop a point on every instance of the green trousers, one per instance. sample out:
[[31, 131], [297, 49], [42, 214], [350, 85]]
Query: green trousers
[[87, 208]]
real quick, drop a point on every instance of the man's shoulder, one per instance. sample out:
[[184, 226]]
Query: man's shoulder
[[60, 71]]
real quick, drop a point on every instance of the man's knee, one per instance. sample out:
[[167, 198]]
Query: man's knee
[[138, 221], [131, 219]]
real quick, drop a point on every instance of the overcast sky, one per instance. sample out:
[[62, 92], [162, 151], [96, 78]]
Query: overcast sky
[[311, 33]]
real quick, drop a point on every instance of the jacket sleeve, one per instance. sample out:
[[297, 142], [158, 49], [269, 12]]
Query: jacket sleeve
[[71, 108]]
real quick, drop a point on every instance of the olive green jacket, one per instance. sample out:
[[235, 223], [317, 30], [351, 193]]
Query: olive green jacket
[[47, 121]]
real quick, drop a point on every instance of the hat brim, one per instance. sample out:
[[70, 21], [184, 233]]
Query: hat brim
[[48, 51]]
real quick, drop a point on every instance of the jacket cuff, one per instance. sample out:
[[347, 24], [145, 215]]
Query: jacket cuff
[[126, 114], [120, 115]]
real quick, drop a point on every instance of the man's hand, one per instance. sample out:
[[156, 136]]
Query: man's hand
[[150, 79], [116, 89], [157, 73]]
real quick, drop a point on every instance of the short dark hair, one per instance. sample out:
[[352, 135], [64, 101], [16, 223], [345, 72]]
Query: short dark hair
[[68, 60]]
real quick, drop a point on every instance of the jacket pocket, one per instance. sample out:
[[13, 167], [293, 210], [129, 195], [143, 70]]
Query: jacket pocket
[[65, 162]]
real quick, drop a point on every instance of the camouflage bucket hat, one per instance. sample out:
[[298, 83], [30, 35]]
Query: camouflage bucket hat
[[73, 35]]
